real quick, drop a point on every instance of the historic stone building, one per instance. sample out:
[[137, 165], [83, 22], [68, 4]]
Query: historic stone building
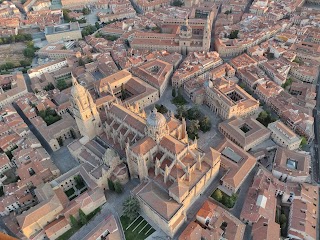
[[177, 35], [173, 171], [85, 111]]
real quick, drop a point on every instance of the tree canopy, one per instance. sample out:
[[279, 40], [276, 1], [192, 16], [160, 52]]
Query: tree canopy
[[131, 208]]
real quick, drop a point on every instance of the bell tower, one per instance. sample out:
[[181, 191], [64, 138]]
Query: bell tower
[[207, 35], [85, 111]]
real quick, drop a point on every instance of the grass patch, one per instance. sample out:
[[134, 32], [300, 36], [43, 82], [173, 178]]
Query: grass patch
[[132, 233], [69, 192]]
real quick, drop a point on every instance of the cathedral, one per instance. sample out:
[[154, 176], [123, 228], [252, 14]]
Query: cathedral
[[172, 170]]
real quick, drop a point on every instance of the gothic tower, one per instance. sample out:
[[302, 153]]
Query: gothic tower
[[207, 35], [85, 111]]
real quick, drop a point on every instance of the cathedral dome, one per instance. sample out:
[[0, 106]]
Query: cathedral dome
[[156, 119]]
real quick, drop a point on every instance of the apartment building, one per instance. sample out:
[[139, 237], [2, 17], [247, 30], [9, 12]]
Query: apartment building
[[284, 136]]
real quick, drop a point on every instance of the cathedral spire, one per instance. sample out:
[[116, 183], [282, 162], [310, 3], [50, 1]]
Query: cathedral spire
[[74, 80]]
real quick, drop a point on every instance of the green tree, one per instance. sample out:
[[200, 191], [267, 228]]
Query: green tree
[[78, 179], [161, 108], [66, 14], [270, 56], [49, 87], [118, 187], [24, 63], [181, 112], [234, 34], [61, 84], [73, 221], [81, 62], [194, 113], [111, 185], [88, 30], [97, 25], [83, 217], [177, 3], [73, 134], [29, 52], [265, 118], [173, 92], [217, 195], [303, 142], [131, 208], [205, 124], [287, 83], [283, 219], [86, 11], [8, 65], [194, 126]]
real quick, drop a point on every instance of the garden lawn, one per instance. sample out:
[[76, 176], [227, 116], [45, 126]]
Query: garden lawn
[[139, 230], [70, 192]]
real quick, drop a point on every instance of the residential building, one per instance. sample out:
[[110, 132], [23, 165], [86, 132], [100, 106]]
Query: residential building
[[107, 229], [291, 166], [284, 136], [259, 209], [5, 163], [195, 64], [12, 87], [214, 221]]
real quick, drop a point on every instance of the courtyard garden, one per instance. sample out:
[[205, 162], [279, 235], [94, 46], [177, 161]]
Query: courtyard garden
[[224, 199], [76, 190], [49, 116]]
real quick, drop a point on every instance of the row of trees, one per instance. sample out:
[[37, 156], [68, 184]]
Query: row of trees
[[115, 186], [82, 221], [15, 38]]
